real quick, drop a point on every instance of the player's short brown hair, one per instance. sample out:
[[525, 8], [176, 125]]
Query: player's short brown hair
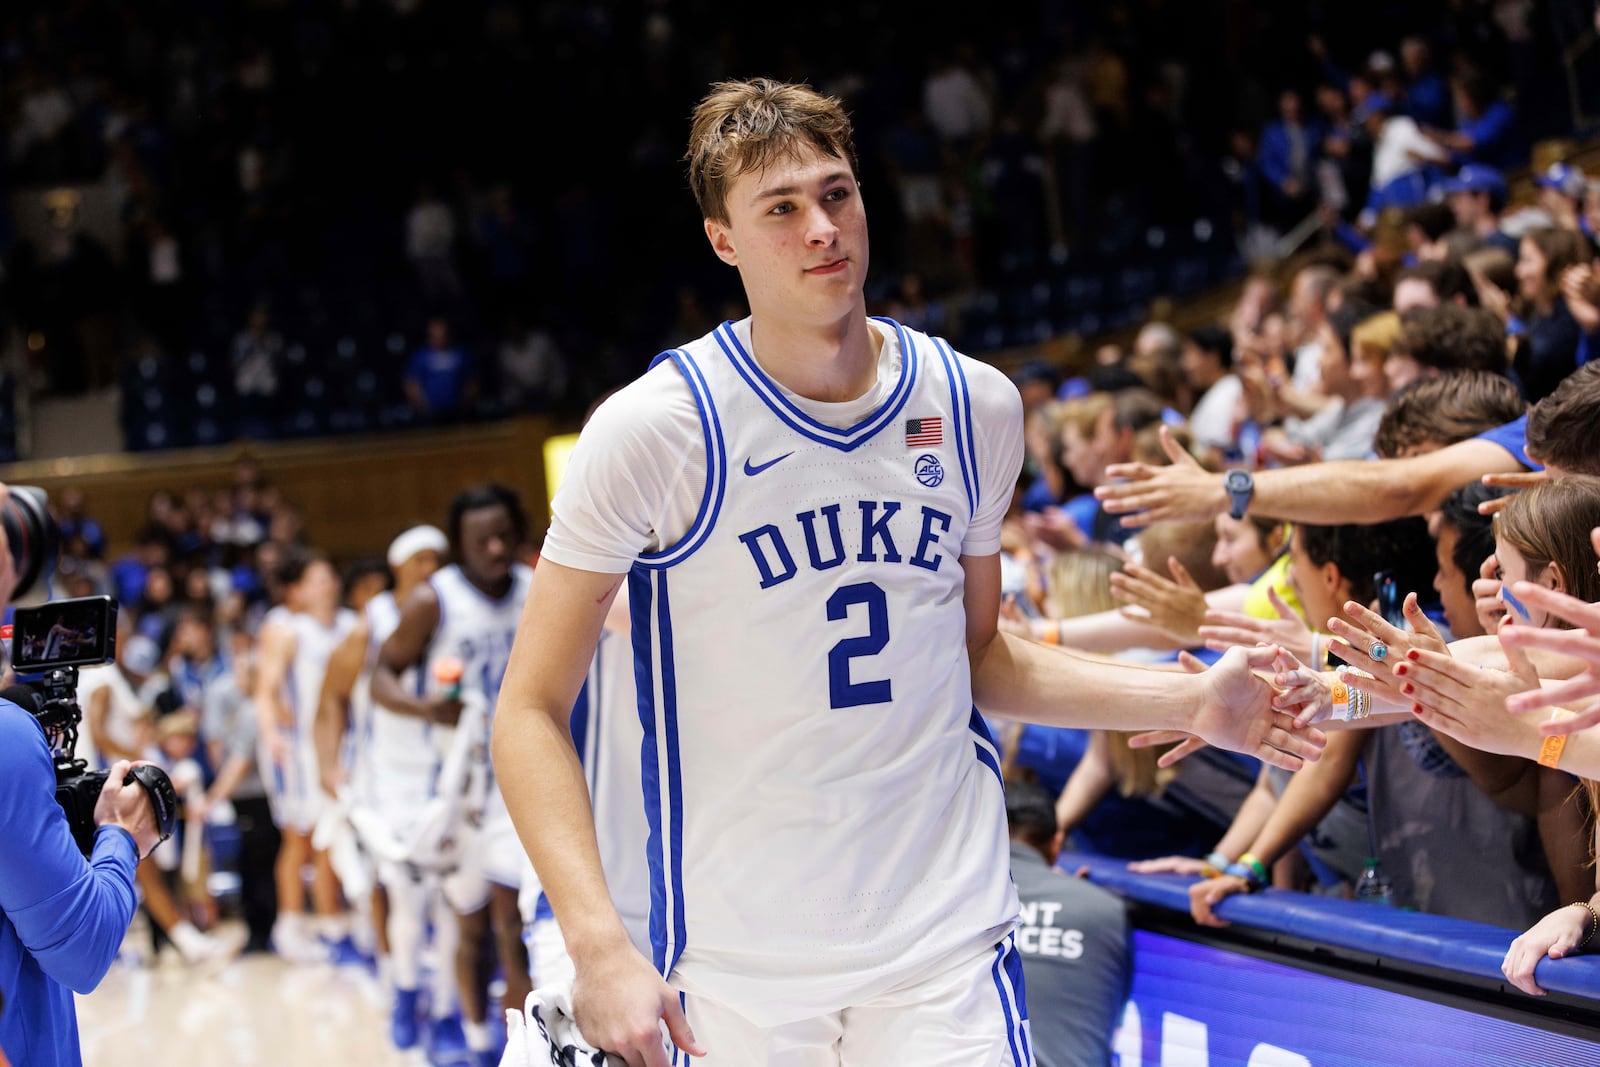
[[747, 125]]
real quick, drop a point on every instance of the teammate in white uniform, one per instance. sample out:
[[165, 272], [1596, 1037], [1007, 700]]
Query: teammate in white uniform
[[808, 506], [468, 612], [382, 761], [296, 640]]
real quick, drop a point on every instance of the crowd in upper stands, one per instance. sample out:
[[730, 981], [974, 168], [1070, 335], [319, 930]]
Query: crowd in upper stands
[[254, 218]]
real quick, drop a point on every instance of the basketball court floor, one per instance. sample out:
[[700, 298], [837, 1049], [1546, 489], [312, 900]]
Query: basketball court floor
[[255, 1009]]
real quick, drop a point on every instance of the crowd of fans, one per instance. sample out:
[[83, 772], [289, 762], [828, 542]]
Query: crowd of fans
[[287, 219], [1358, 403]]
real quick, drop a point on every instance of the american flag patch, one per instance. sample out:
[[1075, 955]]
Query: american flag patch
[[920, 433]]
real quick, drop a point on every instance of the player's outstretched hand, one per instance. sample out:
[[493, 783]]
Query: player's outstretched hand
[[619, 1003], [1556, 935], [1182, 491], [1183, 743], [1235, 712]]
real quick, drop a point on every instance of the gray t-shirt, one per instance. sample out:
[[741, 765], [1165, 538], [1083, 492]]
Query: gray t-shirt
[[1073, 937], [229, 716]]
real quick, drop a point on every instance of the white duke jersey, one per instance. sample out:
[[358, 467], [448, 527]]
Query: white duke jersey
[[606, 733], [313, 647], [382, 615], [477, 630], [825, 807]]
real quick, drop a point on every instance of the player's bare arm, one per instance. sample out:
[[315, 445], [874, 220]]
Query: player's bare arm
[[1228, 705], [272, 673], [406, 648], [618, 996], [333, 704], [1319, 493]]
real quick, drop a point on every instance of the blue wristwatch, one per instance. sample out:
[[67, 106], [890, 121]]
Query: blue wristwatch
[[1241, 487]]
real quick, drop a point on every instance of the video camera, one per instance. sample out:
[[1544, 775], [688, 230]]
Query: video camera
[[49, 643]]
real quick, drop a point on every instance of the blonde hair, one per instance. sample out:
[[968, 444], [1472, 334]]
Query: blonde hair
[[1135, 768], [1374, 337], [745, 126], [1079, 583], [1084, 412]]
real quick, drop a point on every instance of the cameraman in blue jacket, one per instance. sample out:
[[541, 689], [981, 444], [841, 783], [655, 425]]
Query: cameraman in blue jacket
[[61, 917]]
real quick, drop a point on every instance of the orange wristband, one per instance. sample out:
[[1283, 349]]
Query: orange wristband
[[1550, 749], [1052, 635]]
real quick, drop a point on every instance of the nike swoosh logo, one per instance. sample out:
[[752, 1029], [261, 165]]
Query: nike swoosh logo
[[752, 469]]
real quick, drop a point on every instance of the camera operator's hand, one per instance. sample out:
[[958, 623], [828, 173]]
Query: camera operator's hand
[[444, 711], [127, 806]]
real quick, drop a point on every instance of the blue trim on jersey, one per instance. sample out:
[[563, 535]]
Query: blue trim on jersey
[[678, 1055], [1007, 974], [716, 470], [669, 700], [983, 741], [660, 724], [846, 440], [961, 417]]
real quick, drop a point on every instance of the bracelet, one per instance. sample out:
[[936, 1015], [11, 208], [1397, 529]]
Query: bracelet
[[1594, 920], [1215, 864], [1340, 699], [1551, 748], [1052, 633], [1252, 880], [1355, 703]]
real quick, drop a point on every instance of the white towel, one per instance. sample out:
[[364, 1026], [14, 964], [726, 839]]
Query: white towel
[[544, 1034]]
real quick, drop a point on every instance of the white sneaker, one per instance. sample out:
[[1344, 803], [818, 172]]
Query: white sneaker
[[198, 947], [296, 947]]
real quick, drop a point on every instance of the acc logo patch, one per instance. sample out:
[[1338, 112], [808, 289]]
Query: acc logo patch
[[929, 471]]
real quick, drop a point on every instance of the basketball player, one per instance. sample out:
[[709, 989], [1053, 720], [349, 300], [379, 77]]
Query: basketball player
[[807, 505], [346, 721], [297, 638], [606, 734], [468, 611]]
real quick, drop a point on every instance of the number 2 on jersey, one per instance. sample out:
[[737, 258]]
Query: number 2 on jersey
[[842, 692]]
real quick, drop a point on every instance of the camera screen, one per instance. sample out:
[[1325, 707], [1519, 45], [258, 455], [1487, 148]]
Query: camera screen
[[64, 633]]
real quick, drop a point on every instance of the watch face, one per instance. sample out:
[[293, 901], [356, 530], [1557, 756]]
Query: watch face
[[1238, 481]]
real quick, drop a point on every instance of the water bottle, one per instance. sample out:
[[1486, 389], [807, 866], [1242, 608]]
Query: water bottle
[[1373, 887]]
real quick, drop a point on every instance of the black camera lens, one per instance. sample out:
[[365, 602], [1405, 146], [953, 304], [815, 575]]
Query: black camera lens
[[31, 534]]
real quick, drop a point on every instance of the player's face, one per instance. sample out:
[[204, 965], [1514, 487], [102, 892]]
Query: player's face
[[488, 544], [319, 587], [797, 232]]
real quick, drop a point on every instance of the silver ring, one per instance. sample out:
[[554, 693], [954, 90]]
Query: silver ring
[[1379, 651]]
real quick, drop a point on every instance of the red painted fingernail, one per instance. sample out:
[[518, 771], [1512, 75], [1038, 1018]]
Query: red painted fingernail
[[1400, 669], [1407, 689], [1416, 709], [1413, 655]]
